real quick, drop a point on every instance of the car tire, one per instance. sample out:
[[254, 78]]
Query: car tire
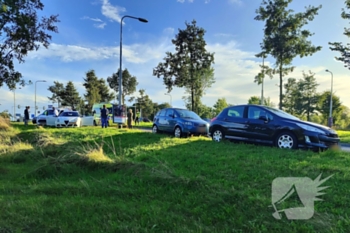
[[286, 140], [177, 132], [155, 129], [217, 135]]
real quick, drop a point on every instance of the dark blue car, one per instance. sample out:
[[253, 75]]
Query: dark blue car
[[262, 124], [179, 122]]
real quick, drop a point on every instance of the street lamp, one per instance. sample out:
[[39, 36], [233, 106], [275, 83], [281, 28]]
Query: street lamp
[[120, 54], [14, 103], [170, 99], [330, 121], [35, 94]]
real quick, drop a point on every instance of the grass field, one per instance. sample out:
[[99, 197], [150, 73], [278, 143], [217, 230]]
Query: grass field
[[344, 136], [118, 180]]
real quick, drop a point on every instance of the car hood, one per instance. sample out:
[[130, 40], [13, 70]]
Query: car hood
[[67, 118], [322, 127], [199, 121]]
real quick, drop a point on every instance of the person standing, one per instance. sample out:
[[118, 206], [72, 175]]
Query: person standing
[[130, 119], [104, 115], [55, 112], [137, 119], [26, 115]]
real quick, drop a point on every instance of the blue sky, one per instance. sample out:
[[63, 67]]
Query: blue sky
[[89, 37]]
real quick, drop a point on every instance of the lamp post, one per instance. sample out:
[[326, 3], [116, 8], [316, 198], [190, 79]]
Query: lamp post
[[262, 81], [120, 54], [171, 99], [35, 95], [330, 120], [14, 103]]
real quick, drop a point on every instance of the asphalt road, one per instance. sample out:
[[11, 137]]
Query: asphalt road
[[343, 146]]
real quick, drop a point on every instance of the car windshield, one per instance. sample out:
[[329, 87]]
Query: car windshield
[[282, 113], [187, 114], [70, 114]]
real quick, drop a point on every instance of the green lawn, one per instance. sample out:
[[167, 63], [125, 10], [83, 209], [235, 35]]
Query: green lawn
[[344, 136], [117, 180]]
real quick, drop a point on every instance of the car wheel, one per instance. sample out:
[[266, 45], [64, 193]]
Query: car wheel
[[154, 129], [218, 135], [286, 140], [177, 132]]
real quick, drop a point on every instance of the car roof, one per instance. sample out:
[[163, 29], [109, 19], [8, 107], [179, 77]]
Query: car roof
[[175, 109]]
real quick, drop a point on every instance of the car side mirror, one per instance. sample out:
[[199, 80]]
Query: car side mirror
[[263, 118]]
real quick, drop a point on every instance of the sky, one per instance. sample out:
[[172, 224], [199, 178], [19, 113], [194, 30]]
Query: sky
[[88, 38]]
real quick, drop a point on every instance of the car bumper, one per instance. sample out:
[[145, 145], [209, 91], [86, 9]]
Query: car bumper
[[70, 124], [196, 130], [319, 141]]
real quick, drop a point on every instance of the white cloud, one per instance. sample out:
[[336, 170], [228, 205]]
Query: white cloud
[[169, 31], [182, 1], [93, 19], [100, 24], [111, 12], [238, 2]]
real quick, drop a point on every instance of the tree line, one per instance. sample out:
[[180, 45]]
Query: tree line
[[189, 67]]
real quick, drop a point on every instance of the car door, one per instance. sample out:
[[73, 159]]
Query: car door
[[259, 129], [162, 120], [235, 122], [170, 119]]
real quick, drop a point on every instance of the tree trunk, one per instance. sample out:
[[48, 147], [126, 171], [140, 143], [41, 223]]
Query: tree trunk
[[281, 83]]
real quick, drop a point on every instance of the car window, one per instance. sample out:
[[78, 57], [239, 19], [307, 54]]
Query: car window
[[162, 113], [255, 113], [170, 112], [50, 112], [183, 113], [237, 111], [70, 114]]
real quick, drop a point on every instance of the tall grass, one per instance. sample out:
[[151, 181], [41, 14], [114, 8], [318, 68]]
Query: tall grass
[[114, 180]]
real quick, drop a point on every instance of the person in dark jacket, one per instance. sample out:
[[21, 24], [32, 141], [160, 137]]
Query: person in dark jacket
[[130, 119], [26, 115], [104, 116]]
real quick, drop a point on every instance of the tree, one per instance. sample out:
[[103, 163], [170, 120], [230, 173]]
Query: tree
[[292, 101], [323, 105], [21, 32], [57, 89], [261, 75], [187, 65], [70, 96], [129, 84], [254, 100], [202, 110], [220, 104], [308, 87], [284, 38], [205, 81], [301, 96], [145, 104], [257, 100], [344, 50], [96, 90]]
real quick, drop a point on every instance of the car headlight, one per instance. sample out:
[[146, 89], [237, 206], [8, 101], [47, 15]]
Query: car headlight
[[188, 123], [310, 128]]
